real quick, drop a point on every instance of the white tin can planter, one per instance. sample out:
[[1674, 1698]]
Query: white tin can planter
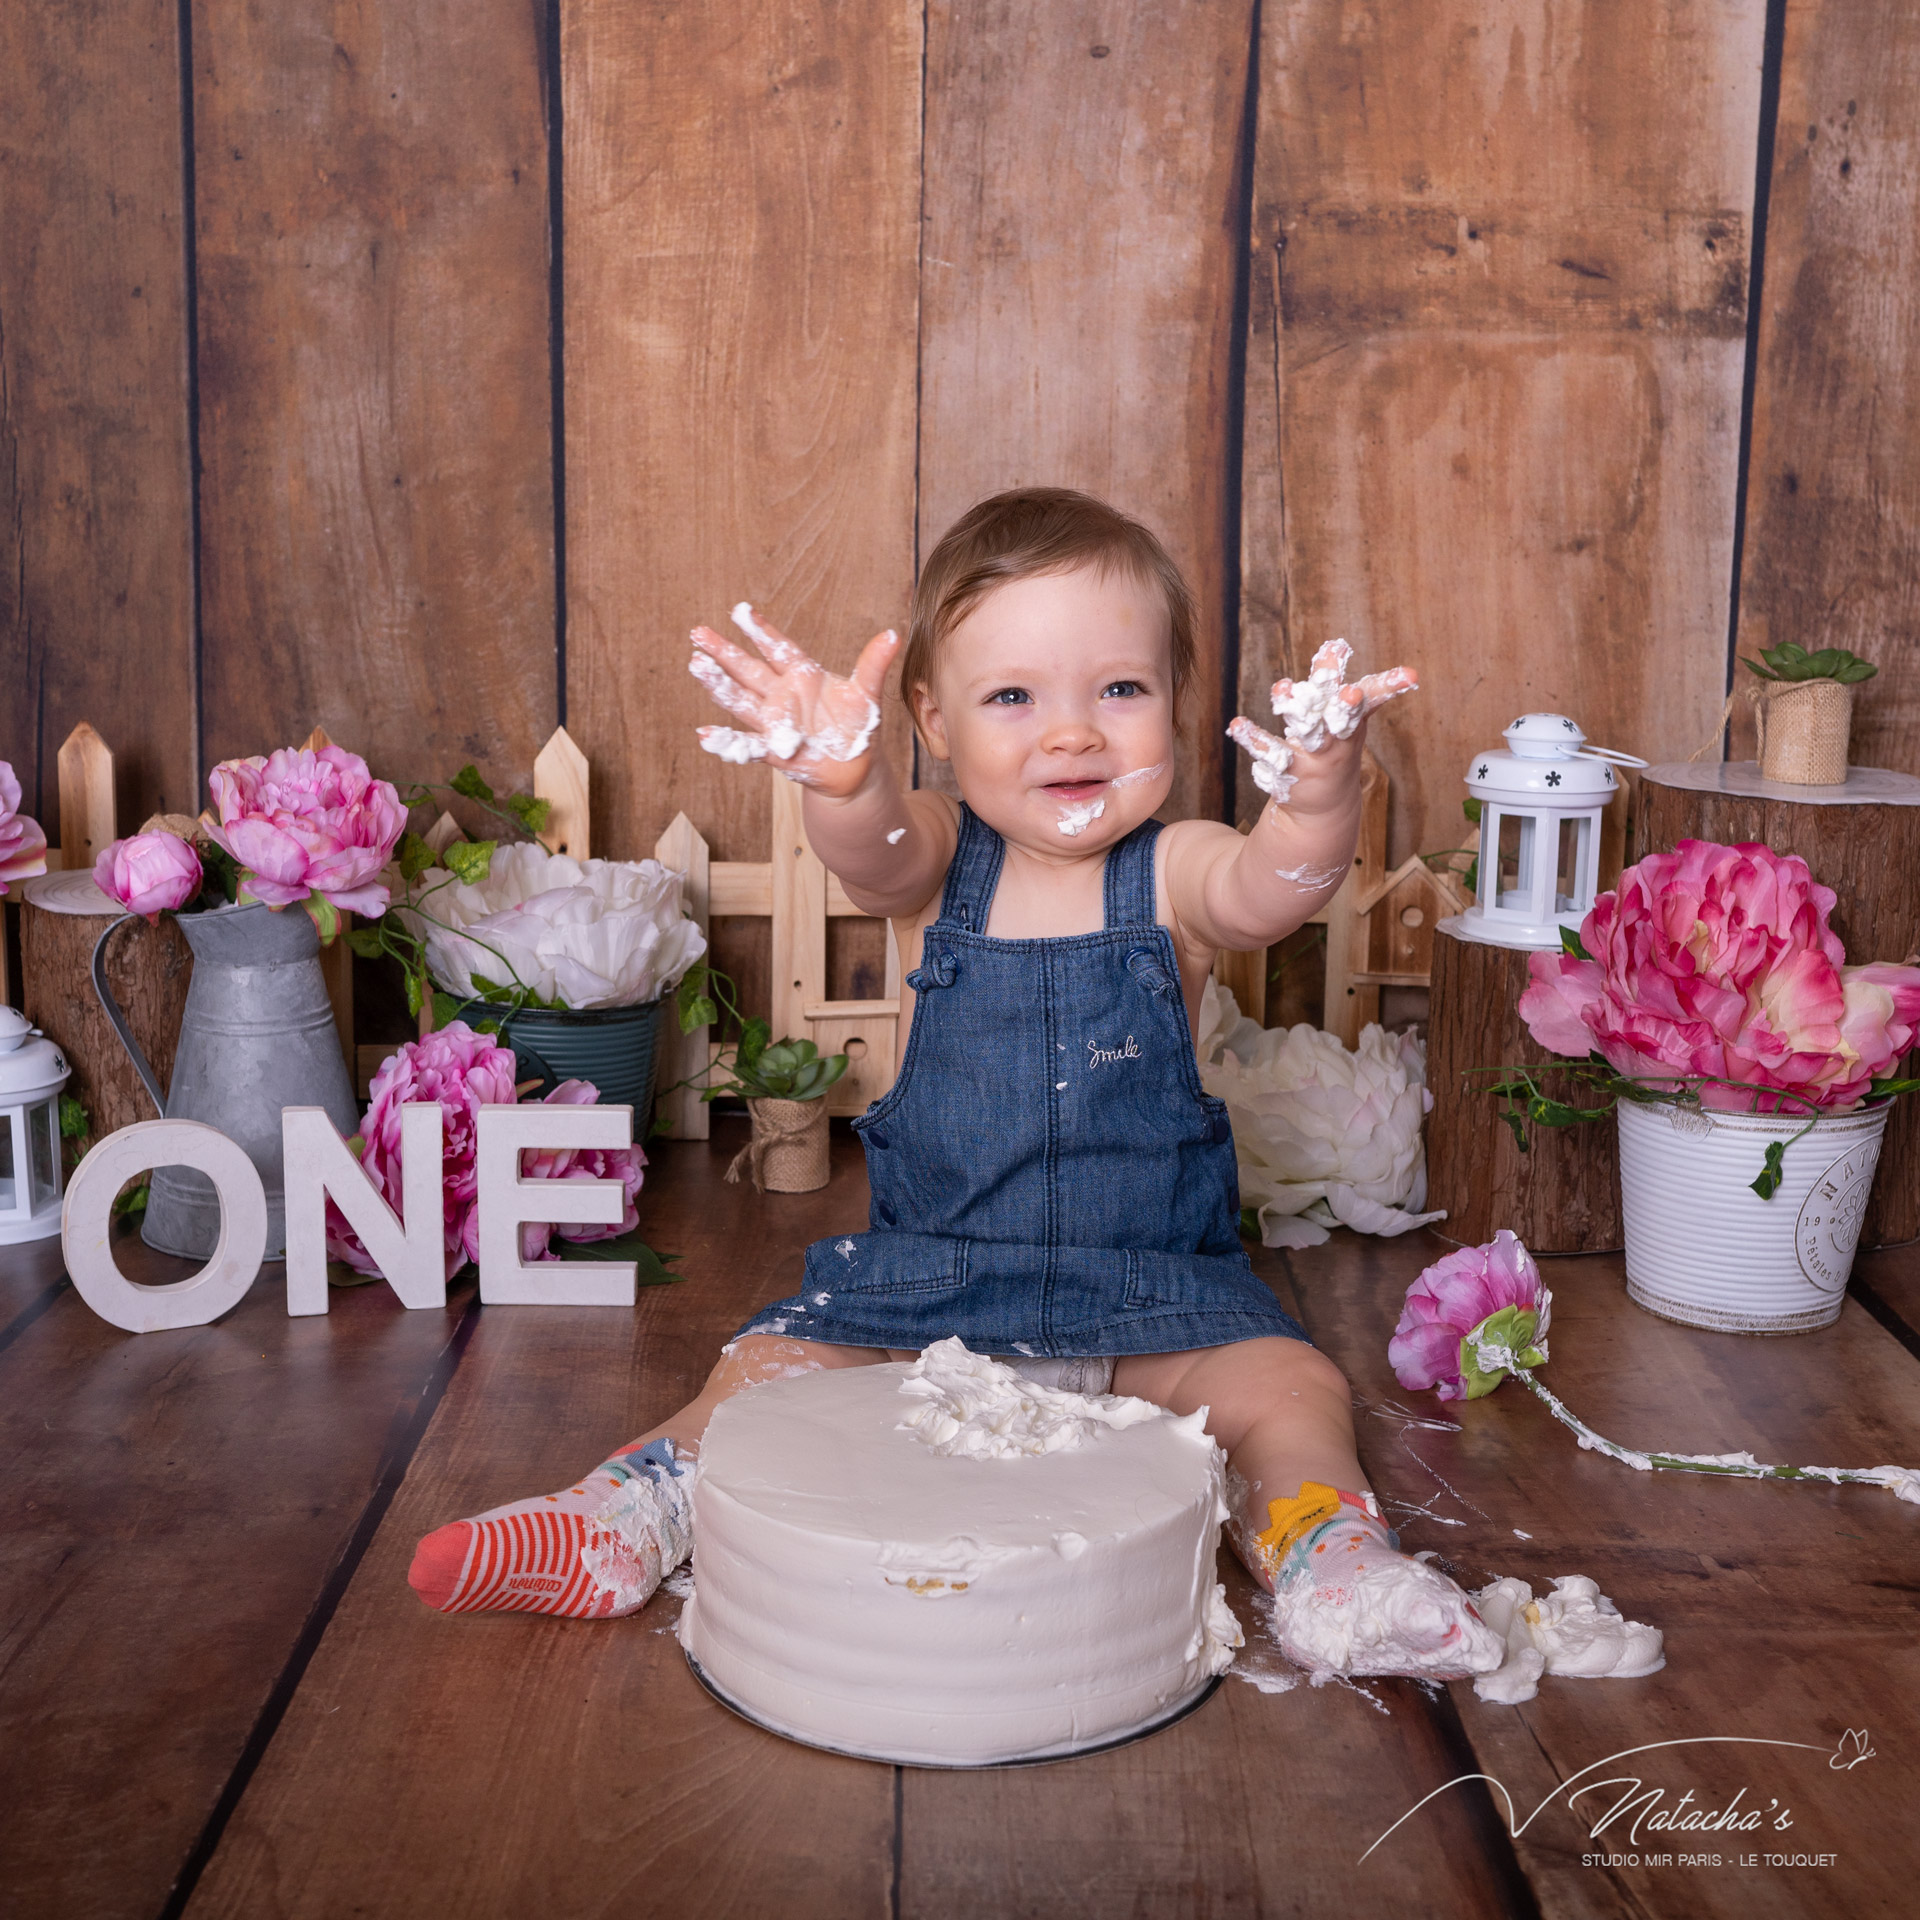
[[1704, 1249]]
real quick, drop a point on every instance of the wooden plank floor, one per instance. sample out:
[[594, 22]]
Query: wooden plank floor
[[218, 1697]]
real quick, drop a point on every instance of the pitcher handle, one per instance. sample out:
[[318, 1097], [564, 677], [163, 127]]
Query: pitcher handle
[[111, 1007]]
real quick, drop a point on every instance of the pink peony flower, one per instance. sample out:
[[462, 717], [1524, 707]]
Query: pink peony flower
[[308, 822], [23, 847], [149, 873], [1719, 962], [567, 1163], [1449, 1300], [464, 1071]]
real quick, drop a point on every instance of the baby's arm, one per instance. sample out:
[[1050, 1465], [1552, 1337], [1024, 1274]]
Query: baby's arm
[[1238, 892], [890, 849]]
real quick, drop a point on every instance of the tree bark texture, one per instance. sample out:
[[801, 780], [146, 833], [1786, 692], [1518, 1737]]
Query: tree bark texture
[[148, 969], [1868, 855], [1563, 1194]]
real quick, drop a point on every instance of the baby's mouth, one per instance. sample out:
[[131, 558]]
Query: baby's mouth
[[1074, 792]]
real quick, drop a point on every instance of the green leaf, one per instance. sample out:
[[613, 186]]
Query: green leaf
[[1765, 673], [697, 1012], [74, 1121], [1768, 1183], [1886, 1089], [531, 813], [469, 860], [1516, 1126], [468, 784], [1855, 671], [1250, 1222], [1471, 808], [1471, 878], [134, 1200], [628, 1246], [1513, 1328], [417, 992], [368, 942], [324, 915], [1571, 942], [415, 857]]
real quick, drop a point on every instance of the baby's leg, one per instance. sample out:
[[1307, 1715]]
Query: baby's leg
[[1303, 1520], [597, 1550]]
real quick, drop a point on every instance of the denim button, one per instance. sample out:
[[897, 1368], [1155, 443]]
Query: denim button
[[876, 1139], [1222, 1130], [1144, 964], [883, 1213]]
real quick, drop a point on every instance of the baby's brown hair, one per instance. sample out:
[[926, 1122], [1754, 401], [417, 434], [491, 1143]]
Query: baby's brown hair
[[1025, 533]]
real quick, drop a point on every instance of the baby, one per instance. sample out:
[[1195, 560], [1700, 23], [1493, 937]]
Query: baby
[[1049, 1180]]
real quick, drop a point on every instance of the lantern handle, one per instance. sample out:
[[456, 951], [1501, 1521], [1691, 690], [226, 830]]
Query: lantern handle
[[1612, 756], [111, 1007]]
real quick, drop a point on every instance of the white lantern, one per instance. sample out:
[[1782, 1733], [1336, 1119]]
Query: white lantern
[[1540, 806], [32, 1072]]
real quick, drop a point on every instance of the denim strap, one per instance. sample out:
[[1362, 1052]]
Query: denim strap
[[974, 874], [1129, 878]]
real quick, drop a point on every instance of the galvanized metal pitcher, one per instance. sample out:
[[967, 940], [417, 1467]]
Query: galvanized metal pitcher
[[257, 1035]]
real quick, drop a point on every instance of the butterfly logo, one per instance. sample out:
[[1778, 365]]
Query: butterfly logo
[[1851, 1751]]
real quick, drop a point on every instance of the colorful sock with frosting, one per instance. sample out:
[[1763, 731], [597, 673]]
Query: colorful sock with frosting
[[594, 1551], [1346, 1600]]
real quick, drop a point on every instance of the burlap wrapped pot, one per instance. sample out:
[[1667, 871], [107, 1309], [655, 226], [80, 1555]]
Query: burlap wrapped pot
[[1804, 728], [788, 1151]]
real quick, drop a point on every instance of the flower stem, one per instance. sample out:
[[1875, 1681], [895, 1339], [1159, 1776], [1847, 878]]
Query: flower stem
[[1904, 1482]]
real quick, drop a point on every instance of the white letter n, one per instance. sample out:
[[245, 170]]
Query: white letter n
[[412, 1258]]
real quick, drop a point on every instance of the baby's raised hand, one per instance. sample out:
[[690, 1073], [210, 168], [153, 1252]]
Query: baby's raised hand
[[1322, 707], [813, 725], [1271, 757]]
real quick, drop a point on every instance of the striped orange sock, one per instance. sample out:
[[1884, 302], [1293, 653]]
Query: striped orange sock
[[595, 1551]]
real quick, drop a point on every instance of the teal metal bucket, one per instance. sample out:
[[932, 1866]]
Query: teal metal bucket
[[616, 1048]]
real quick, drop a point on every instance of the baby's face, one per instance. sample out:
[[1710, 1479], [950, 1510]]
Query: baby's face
[[1054, 702]]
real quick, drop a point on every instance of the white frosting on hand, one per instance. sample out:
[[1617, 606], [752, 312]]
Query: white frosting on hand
[[1323, 707], [1575, 1631], [1078, 815], [1271, 758], [977, 1406]]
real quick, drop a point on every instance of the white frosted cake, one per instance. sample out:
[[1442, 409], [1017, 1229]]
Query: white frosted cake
[[946, 1564]]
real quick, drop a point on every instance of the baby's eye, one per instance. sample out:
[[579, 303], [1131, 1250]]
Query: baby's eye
[[1010, 697], [1122, 690]]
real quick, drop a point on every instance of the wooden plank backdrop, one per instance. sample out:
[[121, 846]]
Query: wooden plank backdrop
[[1832, 552], [830, 273], [1082, 188], [742, 196], [376, 503], [1502, 269], [96, 546]]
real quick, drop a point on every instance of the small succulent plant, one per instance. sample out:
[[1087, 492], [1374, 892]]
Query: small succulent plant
[[784, 1070], [1789, 662]]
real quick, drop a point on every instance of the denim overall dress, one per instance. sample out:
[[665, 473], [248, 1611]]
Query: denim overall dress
[[1048, 1176]]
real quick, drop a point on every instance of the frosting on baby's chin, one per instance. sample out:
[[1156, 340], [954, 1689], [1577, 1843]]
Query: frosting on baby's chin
[[1078, 815]]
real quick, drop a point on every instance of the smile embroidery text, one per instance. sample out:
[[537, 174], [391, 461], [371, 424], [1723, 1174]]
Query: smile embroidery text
[[1099, 1056]]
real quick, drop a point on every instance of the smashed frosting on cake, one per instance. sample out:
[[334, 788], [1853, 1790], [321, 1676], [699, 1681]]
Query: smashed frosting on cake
[[973, 1405]]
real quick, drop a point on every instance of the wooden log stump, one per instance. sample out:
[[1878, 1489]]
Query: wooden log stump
[[1563, 1194], [148, 969], [1867, 849]]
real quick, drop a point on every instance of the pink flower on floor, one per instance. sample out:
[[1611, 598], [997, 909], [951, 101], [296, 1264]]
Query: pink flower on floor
[[463, 1071], [23, 847], [569, 1163], [1719, 962], [149, 873], [1449, 1300], [307, 822]]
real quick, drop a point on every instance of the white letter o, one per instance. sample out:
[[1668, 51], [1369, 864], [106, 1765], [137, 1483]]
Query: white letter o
[[86, 1225]]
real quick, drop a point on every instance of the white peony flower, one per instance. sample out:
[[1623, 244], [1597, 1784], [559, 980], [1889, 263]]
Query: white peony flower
[[592, 933], [1325, 1137]]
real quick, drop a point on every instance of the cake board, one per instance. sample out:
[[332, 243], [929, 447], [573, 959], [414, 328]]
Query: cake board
[[1106, 1745]]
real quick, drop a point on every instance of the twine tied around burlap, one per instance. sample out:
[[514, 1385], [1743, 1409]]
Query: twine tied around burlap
[[788, 1151], [1803, 728]]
